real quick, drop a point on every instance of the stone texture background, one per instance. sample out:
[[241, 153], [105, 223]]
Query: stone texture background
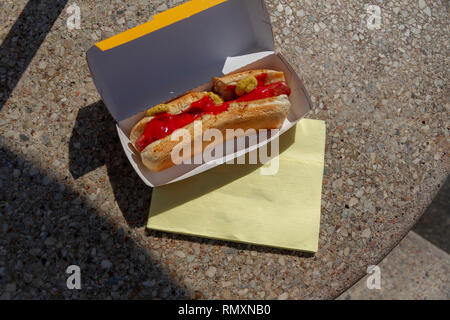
[[69, 196]]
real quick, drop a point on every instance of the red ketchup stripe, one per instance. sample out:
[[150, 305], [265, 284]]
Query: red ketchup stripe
[[164, 124], [262, 92]]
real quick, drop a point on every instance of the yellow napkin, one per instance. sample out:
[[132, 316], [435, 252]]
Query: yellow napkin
[[237, 203]]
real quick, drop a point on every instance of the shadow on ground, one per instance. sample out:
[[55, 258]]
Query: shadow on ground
[[22, 42], [434, 225], [94, 143], [45, 228]]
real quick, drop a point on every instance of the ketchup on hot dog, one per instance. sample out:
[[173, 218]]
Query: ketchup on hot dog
[[165, 123]]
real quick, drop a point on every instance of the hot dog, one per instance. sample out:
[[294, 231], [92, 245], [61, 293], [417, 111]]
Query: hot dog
[[255, 99]]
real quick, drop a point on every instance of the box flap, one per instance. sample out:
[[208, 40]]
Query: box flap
[[164, 63]]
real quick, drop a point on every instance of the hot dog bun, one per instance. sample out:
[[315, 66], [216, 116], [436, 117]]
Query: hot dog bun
[[268, 113]]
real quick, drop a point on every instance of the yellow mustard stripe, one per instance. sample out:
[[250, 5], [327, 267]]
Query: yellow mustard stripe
[[159, 21]]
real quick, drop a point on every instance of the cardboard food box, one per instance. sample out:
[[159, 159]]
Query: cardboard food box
[[181, 50]]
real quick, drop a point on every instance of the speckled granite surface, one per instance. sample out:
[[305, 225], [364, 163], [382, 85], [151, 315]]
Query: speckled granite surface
[[69, 196]]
